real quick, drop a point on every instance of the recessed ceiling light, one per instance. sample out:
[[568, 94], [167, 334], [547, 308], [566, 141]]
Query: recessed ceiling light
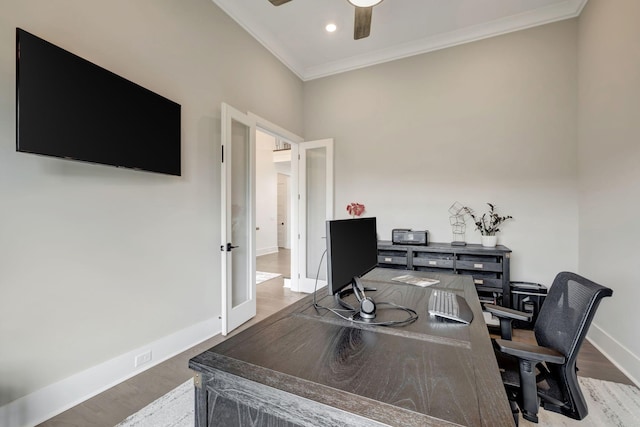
[[331, 28], [364, 3]]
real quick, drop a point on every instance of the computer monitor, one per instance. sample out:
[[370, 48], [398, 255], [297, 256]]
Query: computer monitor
[[352, 250]]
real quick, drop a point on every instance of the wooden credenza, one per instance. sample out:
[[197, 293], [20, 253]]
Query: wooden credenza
[[308, 367], [489, 267]]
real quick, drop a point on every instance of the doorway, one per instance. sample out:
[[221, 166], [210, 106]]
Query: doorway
[[273, 226], [311, 203], [294, 180]]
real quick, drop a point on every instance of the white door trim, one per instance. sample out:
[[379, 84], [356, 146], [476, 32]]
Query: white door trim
[[294, 140], [297, 217], [305, 283]]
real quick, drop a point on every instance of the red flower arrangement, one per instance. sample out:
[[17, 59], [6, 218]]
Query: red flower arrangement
[[355, 209]]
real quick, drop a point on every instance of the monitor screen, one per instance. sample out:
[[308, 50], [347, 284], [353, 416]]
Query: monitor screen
[[71, 108], [352, 250]]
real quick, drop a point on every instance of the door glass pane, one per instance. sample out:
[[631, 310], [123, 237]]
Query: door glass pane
[[316, 178], [240, 211]]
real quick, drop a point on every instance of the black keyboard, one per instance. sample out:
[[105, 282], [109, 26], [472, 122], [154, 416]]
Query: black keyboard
[[450, 306]]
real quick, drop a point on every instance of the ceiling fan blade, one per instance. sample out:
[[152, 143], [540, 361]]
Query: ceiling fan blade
[[279, 2], [362, 25]]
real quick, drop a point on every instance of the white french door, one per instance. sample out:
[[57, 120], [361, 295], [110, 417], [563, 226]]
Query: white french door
[[314, 169], [237, 218]]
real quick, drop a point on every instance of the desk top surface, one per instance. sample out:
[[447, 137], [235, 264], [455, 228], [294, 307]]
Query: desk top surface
[[430, 372]]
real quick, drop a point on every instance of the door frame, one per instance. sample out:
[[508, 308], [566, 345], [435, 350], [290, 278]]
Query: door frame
[[295, 141], [290, 137], [306, 281]]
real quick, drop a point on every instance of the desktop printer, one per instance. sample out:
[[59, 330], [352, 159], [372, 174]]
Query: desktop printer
[[405, 236]]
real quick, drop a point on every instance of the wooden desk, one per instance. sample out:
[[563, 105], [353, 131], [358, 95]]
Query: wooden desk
[[304, 367]]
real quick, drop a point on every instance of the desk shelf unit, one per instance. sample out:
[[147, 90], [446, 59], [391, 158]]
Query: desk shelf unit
[[489, 267]]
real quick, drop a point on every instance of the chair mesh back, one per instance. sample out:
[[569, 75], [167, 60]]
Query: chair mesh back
[[567, 312]]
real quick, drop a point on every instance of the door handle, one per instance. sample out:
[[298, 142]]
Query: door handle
[[230, 247]]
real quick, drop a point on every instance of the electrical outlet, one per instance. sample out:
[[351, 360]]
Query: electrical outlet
[[143, 358]]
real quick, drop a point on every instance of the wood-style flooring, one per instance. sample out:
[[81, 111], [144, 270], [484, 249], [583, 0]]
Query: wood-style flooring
[[117, 403], [114, 405]]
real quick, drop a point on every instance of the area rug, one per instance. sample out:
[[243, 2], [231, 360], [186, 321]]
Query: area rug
[[610, 405], [261, 276], [174, 409]]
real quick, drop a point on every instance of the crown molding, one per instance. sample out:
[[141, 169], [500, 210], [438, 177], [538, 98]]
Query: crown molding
[[562, 11], [257, 31], [545, 15]]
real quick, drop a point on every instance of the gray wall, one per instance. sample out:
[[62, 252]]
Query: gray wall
[[490, 121], [96, 261], [609, 147]]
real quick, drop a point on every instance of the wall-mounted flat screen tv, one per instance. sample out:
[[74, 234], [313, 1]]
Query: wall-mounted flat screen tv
[[71, 108]]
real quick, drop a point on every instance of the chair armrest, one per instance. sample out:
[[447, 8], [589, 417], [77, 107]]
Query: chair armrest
[[508, 312], [530, 352]]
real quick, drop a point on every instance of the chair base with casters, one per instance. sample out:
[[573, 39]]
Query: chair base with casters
[[545, 374]]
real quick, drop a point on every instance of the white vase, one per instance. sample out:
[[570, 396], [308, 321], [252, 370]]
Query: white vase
[[489, 241]]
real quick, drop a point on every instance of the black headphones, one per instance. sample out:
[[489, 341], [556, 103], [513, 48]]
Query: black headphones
[[367, 304], [367, 308]]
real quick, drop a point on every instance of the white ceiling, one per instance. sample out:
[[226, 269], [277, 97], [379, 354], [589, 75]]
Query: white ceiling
[[294, 32]]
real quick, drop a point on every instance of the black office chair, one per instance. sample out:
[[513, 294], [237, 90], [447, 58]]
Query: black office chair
[[545, 375]]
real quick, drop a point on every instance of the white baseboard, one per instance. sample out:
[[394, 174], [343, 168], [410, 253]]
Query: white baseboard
[[617, 353], [266, 251], [56, 398], [308, 286]]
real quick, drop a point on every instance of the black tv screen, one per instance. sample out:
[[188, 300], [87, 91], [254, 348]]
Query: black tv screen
[[352, 250], [71, 108]]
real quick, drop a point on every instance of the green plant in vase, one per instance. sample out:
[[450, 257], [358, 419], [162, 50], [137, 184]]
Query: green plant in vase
[[488, 224]]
